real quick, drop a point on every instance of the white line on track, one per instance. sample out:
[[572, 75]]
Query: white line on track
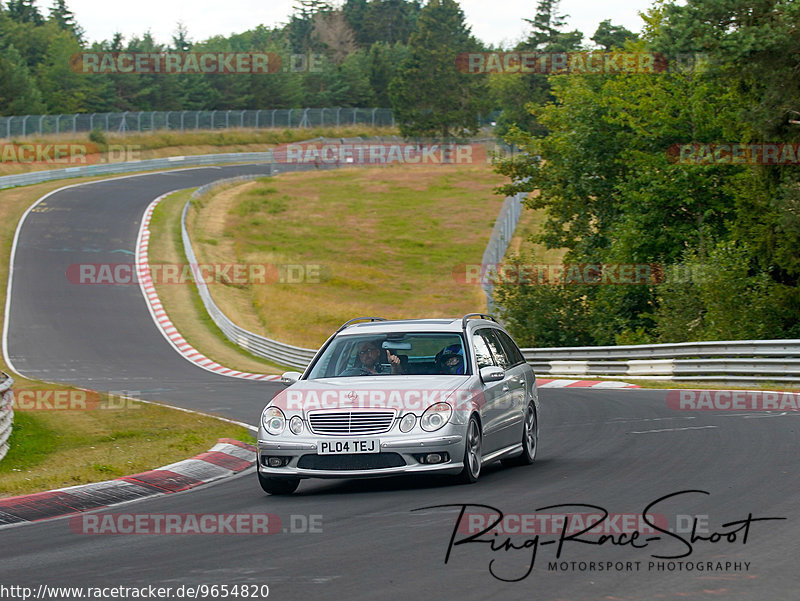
[[674, 429]]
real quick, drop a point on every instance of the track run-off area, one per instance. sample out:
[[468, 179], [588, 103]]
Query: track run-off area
[[708, 477]]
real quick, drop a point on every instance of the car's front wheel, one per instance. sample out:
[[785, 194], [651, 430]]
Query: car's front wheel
[[472, 453], [278, 486], [530, 440]]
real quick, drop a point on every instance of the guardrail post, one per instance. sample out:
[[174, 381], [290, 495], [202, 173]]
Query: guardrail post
[[41, 119], [24, 119], [373, 116], [212, 118], [227, 119]]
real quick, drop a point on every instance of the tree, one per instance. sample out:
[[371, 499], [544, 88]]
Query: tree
[[301, 25], [519, 95], [65, 19], [610, 36], [430, 95], [547, 33], [180, 38], [18, 92], [24, 11], [332, 30]]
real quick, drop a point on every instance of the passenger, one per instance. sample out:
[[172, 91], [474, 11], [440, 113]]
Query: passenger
[[450, 360]]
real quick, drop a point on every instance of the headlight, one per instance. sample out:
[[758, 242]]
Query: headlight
[[296, 424], [273, 420], [435, 416], [408, 421]]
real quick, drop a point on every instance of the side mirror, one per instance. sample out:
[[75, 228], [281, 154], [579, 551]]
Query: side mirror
[[290, 377], [492, 373]]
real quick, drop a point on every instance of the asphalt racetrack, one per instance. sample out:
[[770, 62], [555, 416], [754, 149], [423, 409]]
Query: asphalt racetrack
[[615, 450]]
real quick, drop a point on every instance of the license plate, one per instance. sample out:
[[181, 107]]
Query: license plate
[[347, 446]]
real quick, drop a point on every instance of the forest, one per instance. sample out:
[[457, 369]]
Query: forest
[[614, 158]]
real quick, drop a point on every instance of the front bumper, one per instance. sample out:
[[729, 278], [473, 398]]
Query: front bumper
[[395, 449]]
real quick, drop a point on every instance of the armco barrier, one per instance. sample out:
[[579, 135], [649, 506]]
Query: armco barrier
[[504, 228], [284, 354], [279, 352], [6, 412], [200, 160], [724, 361]]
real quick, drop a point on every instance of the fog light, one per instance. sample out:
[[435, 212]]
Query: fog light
[[431, 458], [276, 461]]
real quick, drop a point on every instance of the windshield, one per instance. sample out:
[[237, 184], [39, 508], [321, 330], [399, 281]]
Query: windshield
[[392, 355]]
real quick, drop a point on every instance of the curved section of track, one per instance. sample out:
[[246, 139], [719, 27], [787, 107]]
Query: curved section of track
[[619, 450]]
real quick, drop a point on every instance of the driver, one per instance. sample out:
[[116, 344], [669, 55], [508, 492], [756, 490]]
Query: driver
[[450, 360], [369, 355]]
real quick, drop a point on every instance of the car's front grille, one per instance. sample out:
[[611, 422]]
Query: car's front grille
[[346, 423], [360, 461]]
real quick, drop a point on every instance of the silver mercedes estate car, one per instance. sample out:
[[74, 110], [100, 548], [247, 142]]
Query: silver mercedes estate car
[[383, 398]]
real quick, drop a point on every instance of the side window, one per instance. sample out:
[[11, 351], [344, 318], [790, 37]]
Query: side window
[[497, 348], [483, 356], [512, 350]]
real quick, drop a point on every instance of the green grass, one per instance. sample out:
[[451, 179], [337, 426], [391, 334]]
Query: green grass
[[55, 449], [183, 303], [385, 240]]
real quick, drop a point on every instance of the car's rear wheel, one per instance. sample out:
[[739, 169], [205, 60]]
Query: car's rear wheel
[[278, 486], [472, 453], [530, 440]]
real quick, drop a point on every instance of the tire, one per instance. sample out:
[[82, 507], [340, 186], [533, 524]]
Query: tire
[[472, 453], [530, 440], [278, 486]]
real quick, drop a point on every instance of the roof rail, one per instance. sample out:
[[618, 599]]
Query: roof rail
[[465, 319], [355, 319]]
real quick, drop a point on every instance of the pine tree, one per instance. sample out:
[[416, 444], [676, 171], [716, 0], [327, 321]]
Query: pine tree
[[18, 92], [65, 19], [430, 95], [25, 11]]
